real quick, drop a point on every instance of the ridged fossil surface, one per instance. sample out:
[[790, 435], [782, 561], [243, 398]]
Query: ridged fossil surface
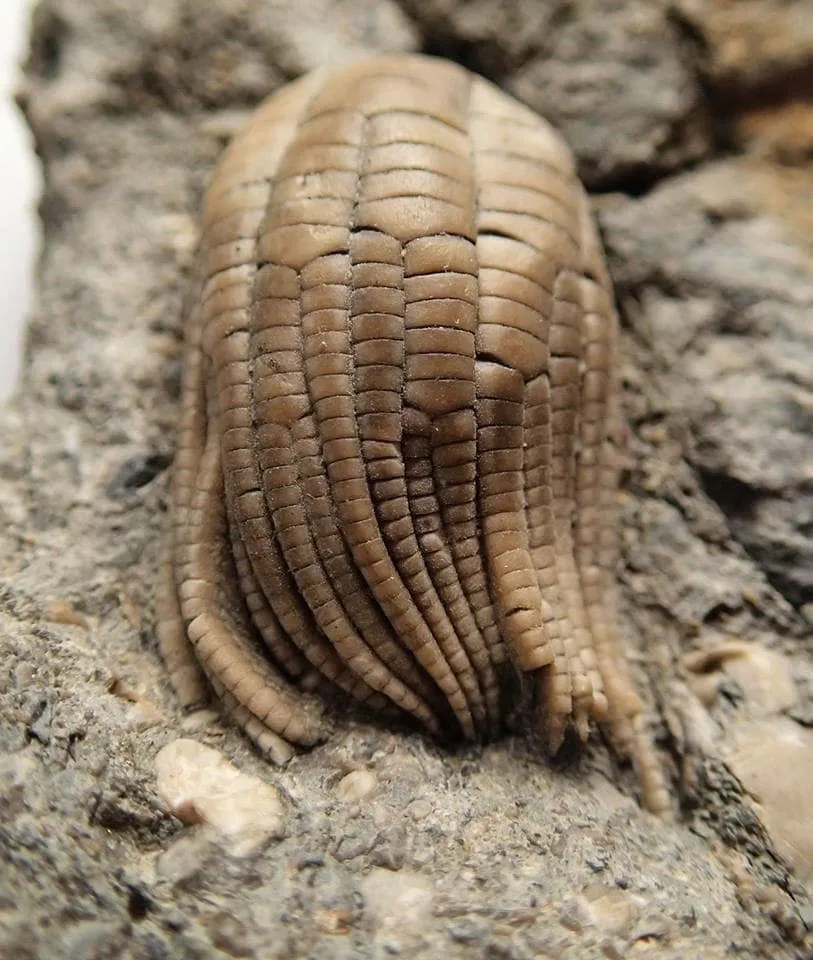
[[395, 471]]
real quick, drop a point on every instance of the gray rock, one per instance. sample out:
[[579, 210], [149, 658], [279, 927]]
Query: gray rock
[[481, 851]]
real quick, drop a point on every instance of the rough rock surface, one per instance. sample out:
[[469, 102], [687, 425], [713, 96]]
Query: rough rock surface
[[391, 845]]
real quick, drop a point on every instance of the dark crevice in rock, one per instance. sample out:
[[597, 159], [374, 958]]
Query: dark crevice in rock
[[137, 472], [695, 53], [483, 58], [775, 560], [638, 181], [736, 499], [49, 35], [771, 87], [139, 902], [475, 42], [732, 92], [796, 83], [778, 558]]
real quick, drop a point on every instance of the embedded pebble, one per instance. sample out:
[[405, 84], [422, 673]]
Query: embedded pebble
[[357, 785], [184, 860], [391, 847], [765, 676], [397, 905], [24, 674], [573, 916], [467, 929], [229, 934], [334, 921], [144, 715], [59, 611], [354, 845], [419, 809], [608, 908], [770, 753], [199, 785], [774, 760], [199, 720]]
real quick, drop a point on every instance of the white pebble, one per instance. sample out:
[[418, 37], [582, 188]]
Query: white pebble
[[199, 785], [397, 905], [357, 785]]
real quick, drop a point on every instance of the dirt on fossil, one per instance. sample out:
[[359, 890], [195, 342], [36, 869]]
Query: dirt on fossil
[[130, 829]]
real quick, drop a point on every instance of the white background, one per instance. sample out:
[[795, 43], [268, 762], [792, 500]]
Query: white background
[[19, 189]]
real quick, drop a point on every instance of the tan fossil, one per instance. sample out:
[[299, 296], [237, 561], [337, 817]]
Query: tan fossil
[[395, 474]]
